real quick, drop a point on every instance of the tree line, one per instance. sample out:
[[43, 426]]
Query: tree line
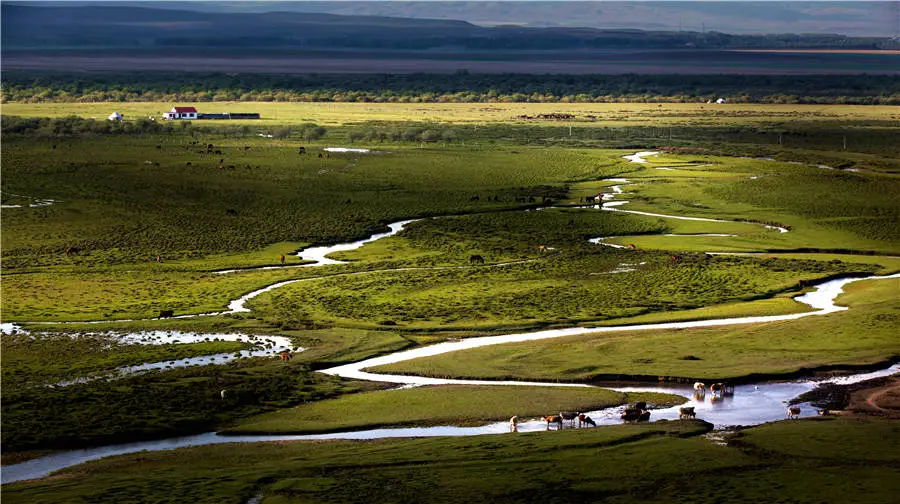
[[460, 87]]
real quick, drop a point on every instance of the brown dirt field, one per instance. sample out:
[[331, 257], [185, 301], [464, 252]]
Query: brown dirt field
[[882, 400]]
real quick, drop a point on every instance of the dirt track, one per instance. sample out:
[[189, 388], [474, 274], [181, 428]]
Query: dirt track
[[883, 400]]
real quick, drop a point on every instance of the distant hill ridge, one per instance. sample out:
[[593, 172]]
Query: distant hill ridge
[[27, 27]]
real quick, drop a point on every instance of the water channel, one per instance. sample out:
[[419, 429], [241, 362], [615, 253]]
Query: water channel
[[750, 404]]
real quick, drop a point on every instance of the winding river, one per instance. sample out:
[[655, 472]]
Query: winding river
[[750, 405]]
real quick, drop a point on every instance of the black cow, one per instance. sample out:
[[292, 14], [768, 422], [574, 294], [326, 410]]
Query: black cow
[[166, 313]]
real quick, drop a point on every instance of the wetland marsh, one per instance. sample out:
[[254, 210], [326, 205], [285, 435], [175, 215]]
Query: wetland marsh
[[511, 194]]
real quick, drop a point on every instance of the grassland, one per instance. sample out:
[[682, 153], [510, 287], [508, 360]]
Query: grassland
[[606, 114], [442, 405], [837, 460], [865, 334], [125, 199]]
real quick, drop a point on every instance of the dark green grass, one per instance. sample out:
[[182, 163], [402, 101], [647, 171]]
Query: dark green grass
[[658, 462], [117, 208], [42, 359], [160, 404]]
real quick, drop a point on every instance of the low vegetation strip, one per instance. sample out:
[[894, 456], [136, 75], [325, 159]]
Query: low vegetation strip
[[439, 405], [658, 462]]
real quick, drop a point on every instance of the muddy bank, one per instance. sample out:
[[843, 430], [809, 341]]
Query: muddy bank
[[877, 397]]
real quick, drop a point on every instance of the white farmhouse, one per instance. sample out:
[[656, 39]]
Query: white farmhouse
[[181, 113]]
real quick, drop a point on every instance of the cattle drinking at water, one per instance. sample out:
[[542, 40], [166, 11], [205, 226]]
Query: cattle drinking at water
[[793, 412], [553, 419], [514, 424], [686, 412], [585, 420]]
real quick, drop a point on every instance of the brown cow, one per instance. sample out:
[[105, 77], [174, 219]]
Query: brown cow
[[285, 356], [553, 419], [585, 420], [686, 412]]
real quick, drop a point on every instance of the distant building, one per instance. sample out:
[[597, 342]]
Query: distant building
[[181, 113], [115, 116]]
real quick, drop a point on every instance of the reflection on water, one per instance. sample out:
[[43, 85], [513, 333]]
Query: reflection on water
[[750, 405]]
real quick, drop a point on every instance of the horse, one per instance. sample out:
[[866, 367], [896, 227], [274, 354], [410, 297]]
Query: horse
[[585, 420], [686, 412], [569, 416], [476, 259], [514, 424], [553, 419], [166, 313], [793, 412], [285, 356]]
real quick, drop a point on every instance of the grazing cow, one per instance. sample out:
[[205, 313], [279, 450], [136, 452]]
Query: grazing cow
[[793, 412], [302, 150], [222, 393], [476, 259], [188, 164], [231, 211], [686, 412], [514, 424], [166, 313], [631, 246], [585, 420], [553, 419], [635, 415], [474, 198], [72, 251], [282, 258], [285, 356], [589, 199], [641, 405], [159, 258], [569, 416]]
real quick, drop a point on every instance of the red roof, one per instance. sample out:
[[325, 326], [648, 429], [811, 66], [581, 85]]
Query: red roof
[[184, 110]]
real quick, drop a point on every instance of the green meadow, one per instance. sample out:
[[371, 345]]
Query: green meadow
[[149, 215], [440, 405], [864, 334], [823, 461]]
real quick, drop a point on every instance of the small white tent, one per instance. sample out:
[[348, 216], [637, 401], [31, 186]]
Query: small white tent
[[115, 116]]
